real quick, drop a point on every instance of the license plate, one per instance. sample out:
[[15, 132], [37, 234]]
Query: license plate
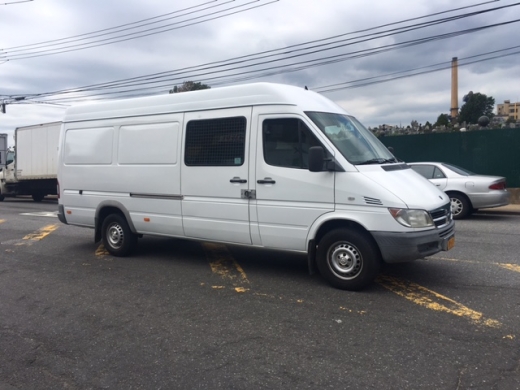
[[451, 243]]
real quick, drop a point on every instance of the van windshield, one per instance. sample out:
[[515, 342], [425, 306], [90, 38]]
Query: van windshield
[[357, 144]]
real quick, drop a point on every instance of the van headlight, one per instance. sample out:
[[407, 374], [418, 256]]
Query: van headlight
[[412, 218]]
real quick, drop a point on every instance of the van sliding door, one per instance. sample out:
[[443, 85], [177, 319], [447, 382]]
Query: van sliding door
[[215, 175]]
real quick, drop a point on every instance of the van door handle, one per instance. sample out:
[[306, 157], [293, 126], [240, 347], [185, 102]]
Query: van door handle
[[238, 180], [267, 180]]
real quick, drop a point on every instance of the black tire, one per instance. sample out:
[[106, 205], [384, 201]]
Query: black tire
[[118, 239], [2, 197], [460, 206], [38, 197], [348, 259]]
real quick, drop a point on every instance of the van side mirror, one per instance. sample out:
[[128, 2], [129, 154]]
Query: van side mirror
[[316, 158]]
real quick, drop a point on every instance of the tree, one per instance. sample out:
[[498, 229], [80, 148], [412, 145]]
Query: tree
[[442, 120], [189, 86], [475, 105]]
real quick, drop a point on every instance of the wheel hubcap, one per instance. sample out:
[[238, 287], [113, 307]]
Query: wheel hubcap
[[115, 235], [456, 206], [345, 260]]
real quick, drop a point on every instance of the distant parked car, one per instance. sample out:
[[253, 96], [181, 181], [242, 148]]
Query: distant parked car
[[468, 191]]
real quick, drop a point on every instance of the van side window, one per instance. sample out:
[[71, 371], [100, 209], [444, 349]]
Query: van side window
[[286, 143], [216, 142]]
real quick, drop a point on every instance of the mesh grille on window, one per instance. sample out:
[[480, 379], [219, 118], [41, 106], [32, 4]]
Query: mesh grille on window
[[215, 142]]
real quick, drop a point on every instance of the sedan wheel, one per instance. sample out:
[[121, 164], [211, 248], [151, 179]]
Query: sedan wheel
[[460, 206]]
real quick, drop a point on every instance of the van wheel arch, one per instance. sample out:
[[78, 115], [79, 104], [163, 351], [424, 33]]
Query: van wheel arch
[[338, 224], [104, 210], [330, 226]]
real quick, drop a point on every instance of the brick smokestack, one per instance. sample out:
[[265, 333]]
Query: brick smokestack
[[454, 110]]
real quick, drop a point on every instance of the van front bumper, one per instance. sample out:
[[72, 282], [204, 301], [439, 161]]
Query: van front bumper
[[403, 247]]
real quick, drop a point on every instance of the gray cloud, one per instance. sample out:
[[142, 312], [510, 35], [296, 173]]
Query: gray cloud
[[284, 23]]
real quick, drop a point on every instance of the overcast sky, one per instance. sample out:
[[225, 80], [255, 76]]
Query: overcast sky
[[127, 39]]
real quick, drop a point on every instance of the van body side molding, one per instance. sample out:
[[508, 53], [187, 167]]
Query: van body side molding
[[157, 196]]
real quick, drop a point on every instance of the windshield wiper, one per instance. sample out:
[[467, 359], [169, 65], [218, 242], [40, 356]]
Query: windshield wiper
[[378, 161]]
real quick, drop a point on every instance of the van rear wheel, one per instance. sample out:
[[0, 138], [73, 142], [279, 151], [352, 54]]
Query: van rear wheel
[[348, 259], [118, 239]]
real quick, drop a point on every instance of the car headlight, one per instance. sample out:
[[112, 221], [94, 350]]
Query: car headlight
[[412, 218]]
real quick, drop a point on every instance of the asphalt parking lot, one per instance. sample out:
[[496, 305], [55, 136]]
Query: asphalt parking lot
[[183, 314]]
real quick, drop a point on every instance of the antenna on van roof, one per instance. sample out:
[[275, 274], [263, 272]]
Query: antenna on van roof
[[306, 88]]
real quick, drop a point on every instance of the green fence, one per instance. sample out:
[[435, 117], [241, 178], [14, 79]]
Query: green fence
[[486, 152]]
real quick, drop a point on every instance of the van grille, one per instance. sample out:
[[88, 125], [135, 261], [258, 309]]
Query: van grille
[[373, 201], [442, 216]]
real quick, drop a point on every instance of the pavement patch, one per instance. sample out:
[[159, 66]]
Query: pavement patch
[[41, 233], [225, 266]]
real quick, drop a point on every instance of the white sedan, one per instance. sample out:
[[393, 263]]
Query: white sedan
[[468, 191]]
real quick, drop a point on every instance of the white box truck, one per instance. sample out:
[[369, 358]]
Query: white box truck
[[264, 165], [3, 151], [33, 164]]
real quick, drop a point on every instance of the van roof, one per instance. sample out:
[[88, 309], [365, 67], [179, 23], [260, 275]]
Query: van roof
[[208, 99]]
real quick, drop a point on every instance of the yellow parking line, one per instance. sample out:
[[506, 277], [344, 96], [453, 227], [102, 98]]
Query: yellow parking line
[[2, 221], [511, 267], [224, 265], [42, 233], [101, 251], [434, 301]]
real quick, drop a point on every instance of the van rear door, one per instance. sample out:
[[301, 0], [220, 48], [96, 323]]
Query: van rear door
[[215, 175]]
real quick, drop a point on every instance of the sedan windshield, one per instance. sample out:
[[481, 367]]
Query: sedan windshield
[[357, 144]]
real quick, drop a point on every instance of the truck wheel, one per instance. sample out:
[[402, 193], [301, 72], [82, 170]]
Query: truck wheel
[[348, 259], [118, 239], [460, 206], [38, 197]]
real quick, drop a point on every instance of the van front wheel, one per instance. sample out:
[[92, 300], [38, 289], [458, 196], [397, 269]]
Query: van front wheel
[[348, 259], [118, 239]]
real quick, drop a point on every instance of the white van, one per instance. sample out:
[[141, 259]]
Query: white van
[[263, 165]]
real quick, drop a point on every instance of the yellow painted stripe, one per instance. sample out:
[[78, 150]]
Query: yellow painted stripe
[[101, 251], [511, 267], [2, 221], [42, 233], [434, 301], [224, 265]]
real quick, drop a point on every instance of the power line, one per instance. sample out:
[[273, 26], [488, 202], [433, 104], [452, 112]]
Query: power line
[[242, 75], [256, 56], [444, 66], [223, 73], [110, 28], [140, 34]]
